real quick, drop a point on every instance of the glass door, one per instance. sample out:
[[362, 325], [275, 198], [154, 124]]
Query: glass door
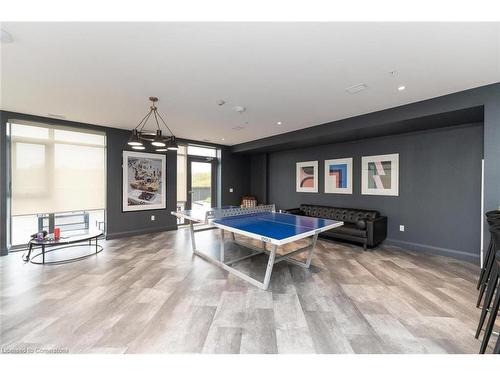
[[201, 182]]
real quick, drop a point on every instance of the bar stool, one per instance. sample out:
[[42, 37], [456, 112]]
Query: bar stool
[[493, 218], [493, 278], [494, 307]]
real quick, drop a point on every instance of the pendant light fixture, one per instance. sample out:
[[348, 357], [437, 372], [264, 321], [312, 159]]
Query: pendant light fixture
[[158, 142], [172, 144], [161, 142], [134, 139]]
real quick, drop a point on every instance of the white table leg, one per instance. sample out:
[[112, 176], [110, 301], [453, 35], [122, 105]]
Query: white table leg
[[313, 247], [193, 241], [269, 269], [222, 245]]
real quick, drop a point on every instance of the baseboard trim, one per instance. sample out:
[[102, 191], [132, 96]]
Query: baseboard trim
[[434, 250], [112, 236]]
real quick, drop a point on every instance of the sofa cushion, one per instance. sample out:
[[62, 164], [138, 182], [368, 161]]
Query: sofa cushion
[[350, 230], [347, 215]]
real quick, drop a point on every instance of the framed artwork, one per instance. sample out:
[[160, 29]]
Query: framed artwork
[[143, 185], [338, 176], [380, 175], [307, 177]]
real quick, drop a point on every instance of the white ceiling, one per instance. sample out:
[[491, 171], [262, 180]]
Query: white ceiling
[[103, 73]]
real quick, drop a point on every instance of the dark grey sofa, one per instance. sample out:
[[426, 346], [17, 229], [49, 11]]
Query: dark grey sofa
[[366, 227]]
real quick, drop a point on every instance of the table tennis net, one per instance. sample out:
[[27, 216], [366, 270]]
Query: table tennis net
[[238, 211]]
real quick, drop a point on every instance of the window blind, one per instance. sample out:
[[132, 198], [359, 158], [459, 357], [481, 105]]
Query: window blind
[[56, 168]]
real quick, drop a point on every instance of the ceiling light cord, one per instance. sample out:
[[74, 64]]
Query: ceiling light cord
[[156, 119], [164, 123], [147, 119], [140, 122]]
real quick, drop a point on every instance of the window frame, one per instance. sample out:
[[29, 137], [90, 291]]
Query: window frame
[[11, 141]]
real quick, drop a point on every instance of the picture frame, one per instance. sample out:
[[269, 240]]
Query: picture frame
[[143, 181], [380, 175], [306, 179], [338, 176]]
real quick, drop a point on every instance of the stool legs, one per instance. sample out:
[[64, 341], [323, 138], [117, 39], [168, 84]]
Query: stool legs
[[491, 323], [489, 253], [492, 283], [486, 276]]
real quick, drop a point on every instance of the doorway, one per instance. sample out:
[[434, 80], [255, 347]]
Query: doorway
[[201, 182]]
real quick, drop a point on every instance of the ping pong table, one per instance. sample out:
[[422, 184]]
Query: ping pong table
[[260, 223]]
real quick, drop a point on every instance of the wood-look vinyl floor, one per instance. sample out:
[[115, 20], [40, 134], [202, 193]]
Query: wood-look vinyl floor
[[149, 294]]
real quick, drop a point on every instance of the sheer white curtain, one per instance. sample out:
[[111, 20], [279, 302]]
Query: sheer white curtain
[[56, 168]]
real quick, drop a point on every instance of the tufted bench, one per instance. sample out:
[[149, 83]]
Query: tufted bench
[[363, 226]]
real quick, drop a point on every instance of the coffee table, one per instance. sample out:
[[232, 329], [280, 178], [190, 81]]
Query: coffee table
[[64, 242]]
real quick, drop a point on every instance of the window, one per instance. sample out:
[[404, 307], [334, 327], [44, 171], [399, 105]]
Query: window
[[55, 169], [202, 151]]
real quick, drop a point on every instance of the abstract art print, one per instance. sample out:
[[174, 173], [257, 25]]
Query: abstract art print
[[307, 177], [380, 175], [338, 176], [144, 185]]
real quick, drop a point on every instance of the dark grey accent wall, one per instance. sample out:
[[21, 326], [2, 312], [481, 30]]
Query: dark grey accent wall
[[120, 224], [439, 192], [492, 153], [258, 177], [235, 174]]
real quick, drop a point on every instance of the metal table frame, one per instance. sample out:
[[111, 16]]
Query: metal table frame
[[69, 243], [273, 258]]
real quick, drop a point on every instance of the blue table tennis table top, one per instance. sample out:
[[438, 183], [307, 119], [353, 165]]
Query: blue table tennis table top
[[275, 227]]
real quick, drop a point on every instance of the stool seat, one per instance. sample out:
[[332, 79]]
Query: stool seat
[[492, 213]]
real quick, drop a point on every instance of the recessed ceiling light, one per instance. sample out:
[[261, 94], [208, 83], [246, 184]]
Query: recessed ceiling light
[[356, 88], [401, 88], [221, 102], [279, 123], [239, 108], [6, 37], [222, 139]]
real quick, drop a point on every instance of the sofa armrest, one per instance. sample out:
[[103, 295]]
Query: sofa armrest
[[376, 230], [295, 211]]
